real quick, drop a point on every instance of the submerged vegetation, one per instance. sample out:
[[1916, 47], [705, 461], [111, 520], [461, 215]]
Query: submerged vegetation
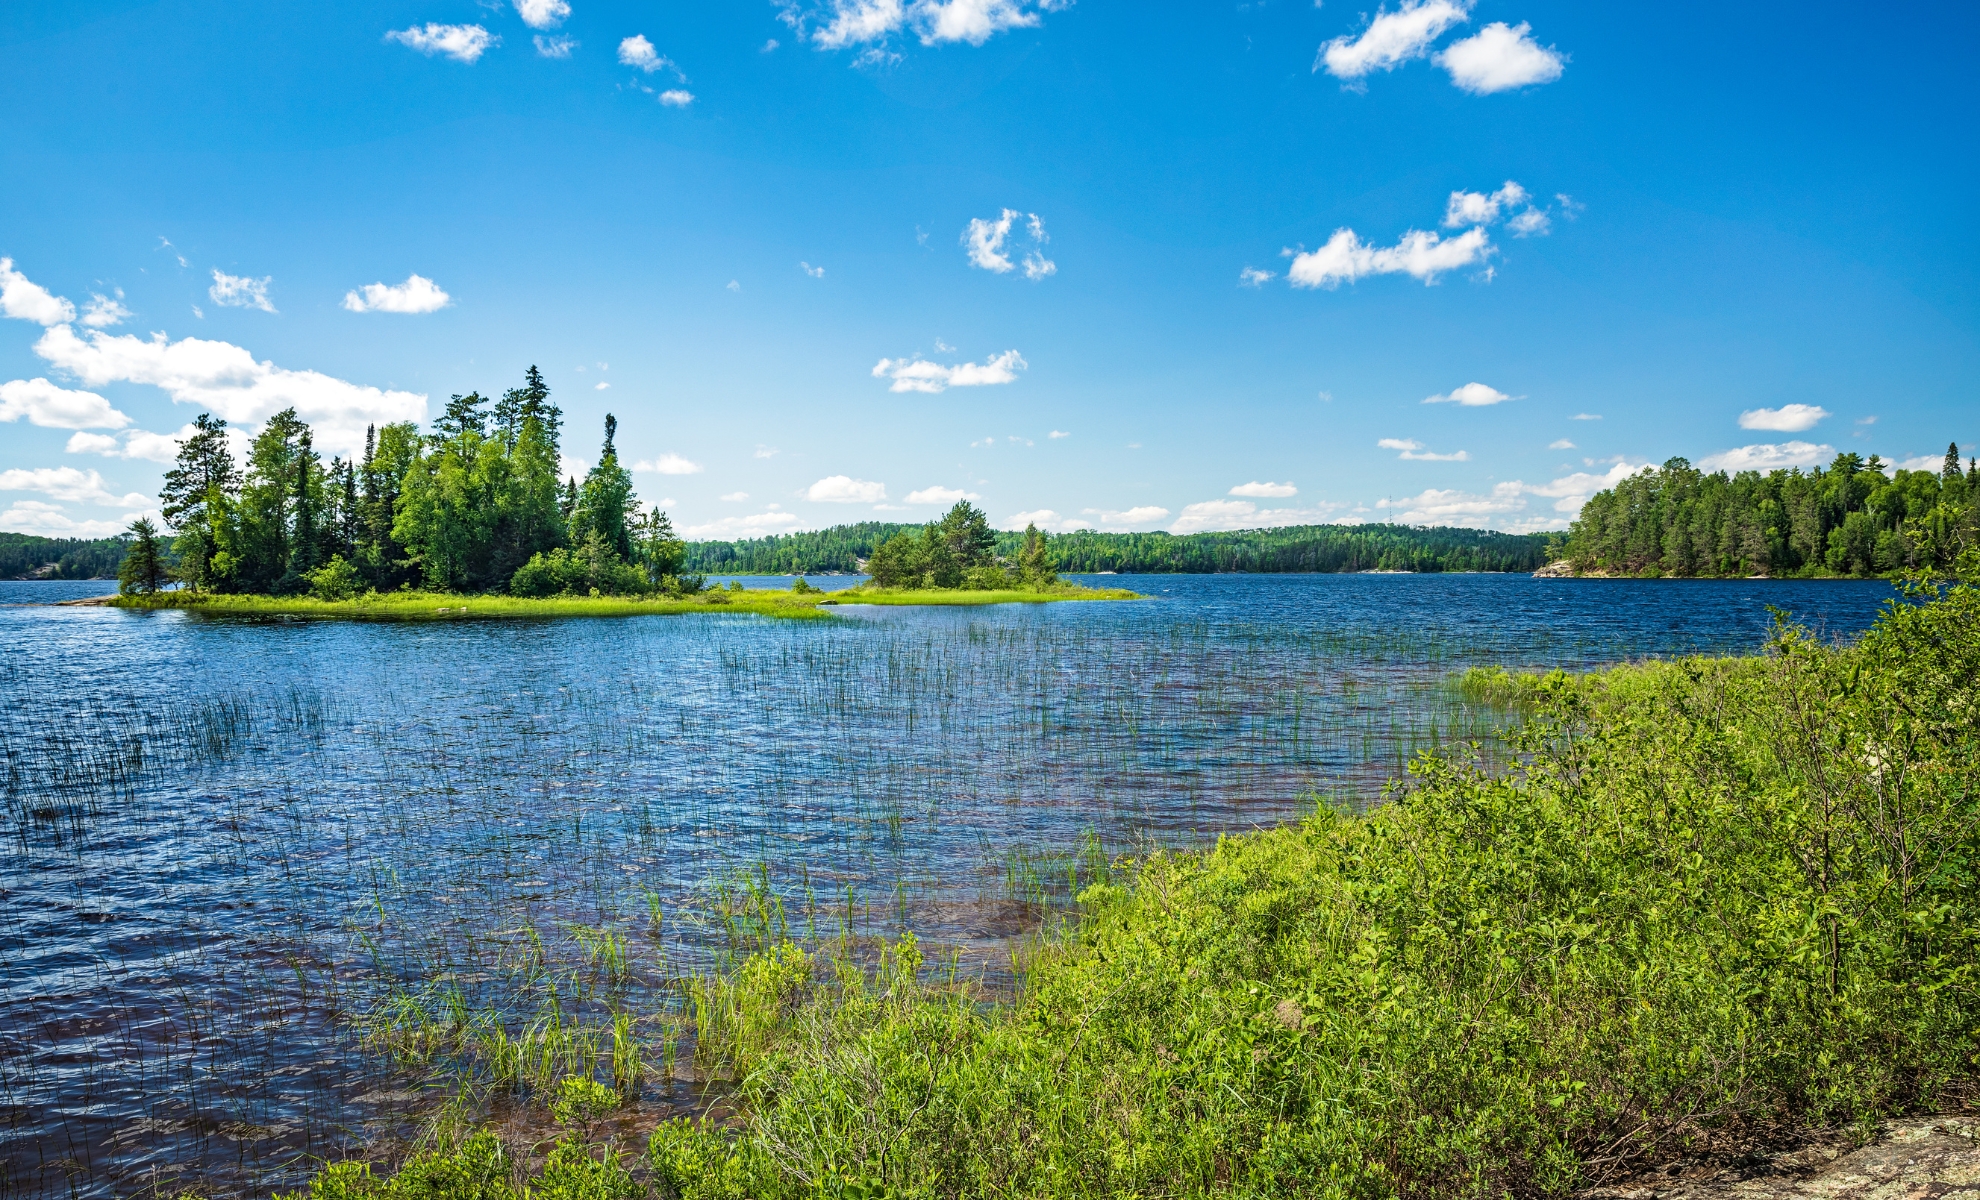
[[1293, 548], [1850, 519], [1714, 900]]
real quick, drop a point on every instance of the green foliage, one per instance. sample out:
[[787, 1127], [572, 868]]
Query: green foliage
[[335, 580], [143, 570], [1292, 548], [1850, 519], [605, 504], [591, 569], [477, 1170], [580, 1100], [25, 556], [1716, 893]]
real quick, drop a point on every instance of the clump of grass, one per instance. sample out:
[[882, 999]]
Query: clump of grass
[[1496, 687]]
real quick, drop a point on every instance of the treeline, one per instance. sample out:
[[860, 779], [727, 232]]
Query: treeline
[[1851, 518], [25, 556], [960, 551], [474, 506], [1317, 548]]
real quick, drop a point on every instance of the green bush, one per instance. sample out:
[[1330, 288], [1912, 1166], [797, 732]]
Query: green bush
[[592, 568], [335, 580]]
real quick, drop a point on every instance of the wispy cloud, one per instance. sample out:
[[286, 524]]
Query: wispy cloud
[[1499, 58], [43, 403], [1471, 395], [814, 272], [1252, 277], [754, 525], [417, 294], [1391, 38], [103, 311], [1058, 433], [1767, 457], [70, 484], [669, 464], [558, 46], [1414, 451], [141, 444], [1788, 418], [985, 239], [1265, 491], [1561, 444], [1420, 254], [840, 24], [24, 300], [52, 520], [462, 43], [844, 489], [1243, 514], [940, 495], [1482, 208], [240, 291], [919, 375], [1145, 516]]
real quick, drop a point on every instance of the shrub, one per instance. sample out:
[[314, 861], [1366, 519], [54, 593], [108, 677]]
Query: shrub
[[335, 580]]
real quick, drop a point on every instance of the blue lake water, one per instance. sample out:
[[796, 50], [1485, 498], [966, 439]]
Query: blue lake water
[[227, 838]]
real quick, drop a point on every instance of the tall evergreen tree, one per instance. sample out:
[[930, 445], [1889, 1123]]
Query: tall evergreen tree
[[971, 541], [606, 504], [143, 570], [1950, 471], [195, 498], [267, 504]]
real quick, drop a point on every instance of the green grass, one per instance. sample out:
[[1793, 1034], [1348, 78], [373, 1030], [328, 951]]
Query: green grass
[[1717, 901], [440, 605]]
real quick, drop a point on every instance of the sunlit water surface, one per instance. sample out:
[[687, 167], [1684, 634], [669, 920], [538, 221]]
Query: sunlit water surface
[[228, 838]]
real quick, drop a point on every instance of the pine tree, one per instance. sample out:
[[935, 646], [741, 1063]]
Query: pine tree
[[1034, 565], [143, 570], [971, 541], [196, 491], [1950, 471], [304, 540], [606, 504]]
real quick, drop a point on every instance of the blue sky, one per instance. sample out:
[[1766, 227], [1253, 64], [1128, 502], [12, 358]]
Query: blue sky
[[1127, 266]]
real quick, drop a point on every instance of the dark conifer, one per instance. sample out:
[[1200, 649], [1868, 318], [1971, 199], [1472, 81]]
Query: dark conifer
[[143, 570]]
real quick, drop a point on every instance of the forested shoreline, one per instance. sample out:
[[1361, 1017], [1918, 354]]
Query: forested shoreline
[[1292, 548], [26, 556], [1848, 519]]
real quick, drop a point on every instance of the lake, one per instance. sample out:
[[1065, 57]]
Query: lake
[[246, 858]]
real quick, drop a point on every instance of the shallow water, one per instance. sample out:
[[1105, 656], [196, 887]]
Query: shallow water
[[226, 838]]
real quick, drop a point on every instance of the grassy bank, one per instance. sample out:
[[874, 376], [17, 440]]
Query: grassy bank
[[441, 605], [1721, 900]]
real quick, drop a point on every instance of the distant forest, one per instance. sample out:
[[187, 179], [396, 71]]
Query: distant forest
[[25, 556], [1319, 548], [1848, 519]]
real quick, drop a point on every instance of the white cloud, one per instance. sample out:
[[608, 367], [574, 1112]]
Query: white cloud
[[1058, 433], [940, 495], [103, 311], [25, 300], [770, 45], [856, 21], [542, 14], [636, 51], [1788, 418], [573, 468], [1268, 490], [554, 47], [240, 291], [734, 286], [972, 21], [68, 483], [730, 528], [814, 272], [1570, 492], [843, 23], [52, 407], [1766, 457], [1471, 395], [669, 464], [600, 386], [1243, 514], [985, 238], [1482, 208], [1449, 506], [677, 97], [1586, 417], [417, 294], [1931, 463], [94, 443], [145, 445], [920, 375], [763, 451], [1501, 57], [1531, 223], [1043, 517], [844, 489], [462, 43], [1145, 516], [1413, 451], [1425, 256], [1252, 277], [734, 497], [1561, 444], [226, 379], [1392, 38], [51, 520]]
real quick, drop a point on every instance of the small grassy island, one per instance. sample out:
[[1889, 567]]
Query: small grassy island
[[471, 521]]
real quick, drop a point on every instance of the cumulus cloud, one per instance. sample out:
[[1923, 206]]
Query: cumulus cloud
[[1508, 505], [240, 291], [25, 300], [1471, 395], [52, 407], [1451, 506], [1414, 451], [1043, 517], [228, 380], [1058, 433], [1767, 457], [554, 47], [1392, 38], [70, 484], [940, 495], [1531, 223], [1499, 58], [985, 239], [839, 24], [143, 444], [636, 51], [1268, 490], [1482, 208], [417, 294], [677, 97], [104, 311], [1252, 277], [1570, 492], [844, 489], [919, 375], [1561, 444], [1243, 514], [1788, 418], [669, 464], [542, 14], [1145, 516], [730, 528], [462, 43], [1422, 255], [52, 520], [734, 497]]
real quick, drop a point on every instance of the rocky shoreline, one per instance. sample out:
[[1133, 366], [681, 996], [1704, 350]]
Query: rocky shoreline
[[1921, 1158]]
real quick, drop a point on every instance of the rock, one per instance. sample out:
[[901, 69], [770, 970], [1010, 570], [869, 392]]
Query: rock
[[1560, 568], [1923, 1158]]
